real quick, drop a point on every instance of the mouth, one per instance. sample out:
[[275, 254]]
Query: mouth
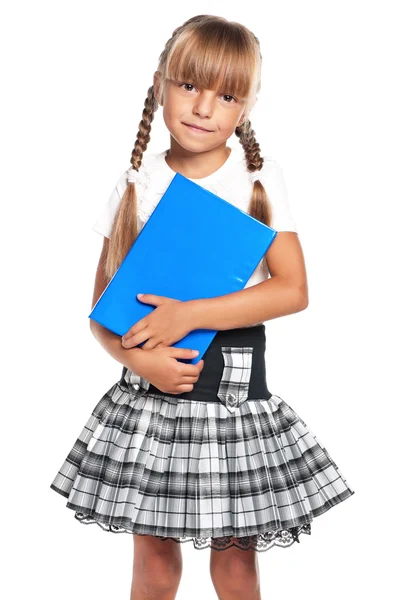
[[197, 128]]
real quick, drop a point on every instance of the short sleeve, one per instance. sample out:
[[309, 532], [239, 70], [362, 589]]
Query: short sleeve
[[104, 222], [274, 184]]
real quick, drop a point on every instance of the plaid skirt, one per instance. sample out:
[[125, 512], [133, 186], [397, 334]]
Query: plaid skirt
[[227, 464]]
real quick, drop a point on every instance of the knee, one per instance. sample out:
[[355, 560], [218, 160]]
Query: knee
[[234, 566], [161, 571], [159, 566]]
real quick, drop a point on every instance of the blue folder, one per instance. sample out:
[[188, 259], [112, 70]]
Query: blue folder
[[194, 245]]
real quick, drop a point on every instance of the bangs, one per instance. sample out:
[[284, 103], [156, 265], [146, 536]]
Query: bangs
[[217, 57]]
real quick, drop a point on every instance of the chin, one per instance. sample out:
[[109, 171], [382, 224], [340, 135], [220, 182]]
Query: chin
[[190, 145]]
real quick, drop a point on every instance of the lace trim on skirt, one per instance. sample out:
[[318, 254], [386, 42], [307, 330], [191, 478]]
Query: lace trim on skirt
[[258, 542]]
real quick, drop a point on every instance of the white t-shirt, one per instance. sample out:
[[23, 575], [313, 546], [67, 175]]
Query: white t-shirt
[[231, 181]]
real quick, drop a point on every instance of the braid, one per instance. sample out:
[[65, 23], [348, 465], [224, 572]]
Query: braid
[[144, 129], [250, 145], [259, 206], [124, 230]]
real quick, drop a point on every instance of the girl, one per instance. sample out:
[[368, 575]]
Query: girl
[[202, 452]]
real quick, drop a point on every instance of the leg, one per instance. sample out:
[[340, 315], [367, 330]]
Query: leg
[[235, 574], [157, 568]]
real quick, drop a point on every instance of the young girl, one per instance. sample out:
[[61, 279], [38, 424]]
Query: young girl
[[202, 452]]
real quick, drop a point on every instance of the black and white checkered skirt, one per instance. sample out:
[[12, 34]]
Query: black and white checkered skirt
[[228, 464]]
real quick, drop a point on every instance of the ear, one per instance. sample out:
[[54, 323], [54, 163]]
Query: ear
[[156, 82]]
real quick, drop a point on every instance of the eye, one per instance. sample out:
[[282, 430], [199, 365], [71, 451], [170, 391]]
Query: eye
[[228, 96], [190, 84], [223, 95]]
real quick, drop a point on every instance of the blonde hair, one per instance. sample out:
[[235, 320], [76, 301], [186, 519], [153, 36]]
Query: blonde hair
[[215, 54]]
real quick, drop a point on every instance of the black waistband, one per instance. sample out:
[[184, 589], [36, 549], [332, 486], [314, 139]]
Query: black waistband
[[207, 386]]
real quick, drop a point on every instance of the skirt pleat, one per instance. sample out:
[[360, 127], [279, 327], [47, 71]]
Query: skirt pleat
[[186, 470]]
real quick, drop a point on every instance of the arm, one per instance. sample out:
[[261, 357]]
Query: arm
[[284, 293], [111, 342]]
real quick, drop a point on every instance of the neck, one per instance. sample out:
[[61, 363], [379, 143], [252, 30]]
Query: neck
[[196, 165]]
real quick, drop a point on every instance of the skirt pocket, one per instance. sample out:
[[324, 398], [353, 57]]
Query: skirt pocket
[[233, 388], [136, 383]]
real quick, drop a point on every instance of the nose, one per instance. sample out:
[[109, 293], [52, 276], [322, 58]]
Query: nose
[[204, 104]]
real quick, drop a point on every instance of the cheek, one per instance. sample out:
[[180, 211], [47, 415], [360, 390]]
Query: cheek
[[228, 118], [173, 117], [227, 125], [169, 119]]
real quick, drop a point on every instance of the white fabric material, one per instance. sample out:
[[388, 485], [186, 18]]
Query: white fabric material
[[255, 175], [232, 182]]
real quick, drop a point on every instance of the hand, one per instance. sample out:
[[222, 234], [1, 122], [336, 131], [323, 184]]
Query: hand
[[163, 327], [161, 368]]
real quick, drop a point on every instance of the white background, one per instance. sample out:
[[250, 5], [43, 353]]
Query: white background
[[75, 77]]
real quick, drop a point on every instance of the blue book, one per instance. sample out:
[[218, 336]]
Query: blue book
[[194, 245]]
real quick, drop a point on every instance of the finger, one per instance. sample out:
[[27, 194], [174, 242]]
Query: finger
[[136, 328], [189, 380], [152, 343], [184, 387], [141, 336], [130, 333], [127, 343], [146, 346], [182, 352], [150, 298], [131, 342], [126, 335], [192, 370]]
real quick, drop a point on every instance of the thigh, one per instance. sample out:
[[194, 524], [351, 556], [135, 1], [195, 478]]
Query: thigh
[[232, 553], [149, 546]]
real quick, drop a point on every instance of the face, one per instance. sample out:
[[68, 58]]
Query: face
[[185, 104]]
